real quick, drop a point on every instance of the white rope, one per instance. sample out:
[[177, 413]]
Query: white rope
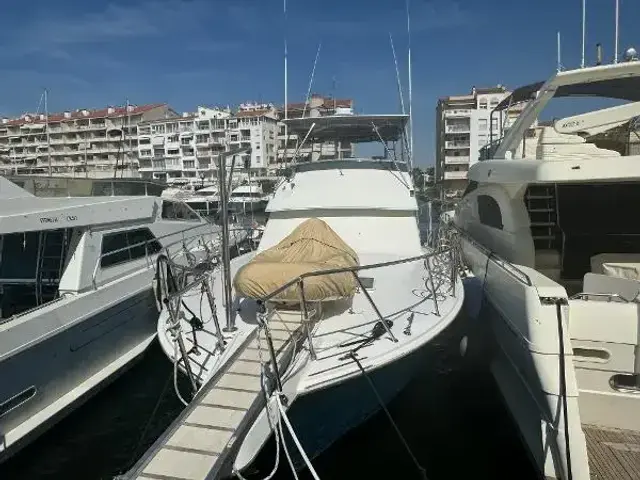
[[273, 425], [283, 416], [284, 443], [175, 368]]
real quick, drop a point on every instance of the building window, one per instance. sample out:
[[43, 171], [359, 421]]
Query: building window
[[482, 124], [145, 153], [489, 212], [144, 141], [129, 245], [483, 104], [482, 140]]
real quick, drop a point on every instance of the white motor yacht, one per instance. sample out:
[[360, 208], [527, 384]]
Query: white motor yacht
[[76, 303], [328, 317], [546, 229]]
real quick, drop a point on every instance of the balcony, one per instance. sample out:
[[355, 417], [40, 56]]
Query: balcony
[[455, 175], [457, 144], [457, 128], [461, 160], [458, 112]]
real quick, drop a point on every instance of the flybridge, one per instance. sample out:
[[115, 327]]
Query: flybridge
[[350, 128], [619, 81]]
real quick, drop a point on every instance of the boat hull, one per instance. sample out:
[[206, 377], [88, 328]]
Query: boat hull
[[48, 379], [322, 417], [509, 316]]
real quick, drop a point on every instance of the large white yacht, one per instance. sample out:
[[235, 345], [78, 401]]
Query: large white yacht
[[547, 230], [328, 318], [76, 303]]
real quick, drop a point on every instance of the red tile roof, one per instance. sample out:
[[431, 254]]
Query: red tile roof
[[101, 113]]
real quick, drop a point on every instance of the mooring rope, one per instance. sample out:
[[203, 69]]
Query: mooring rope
[[419, 467]]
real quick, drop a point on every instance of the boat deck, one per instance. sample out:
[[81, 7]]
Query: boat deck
[[201, 443], [613, 454]]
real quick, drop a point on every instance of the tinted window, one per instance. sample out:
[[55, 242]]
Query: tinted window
[[147, 241], [178, 211], [489, 212], [122, 246]]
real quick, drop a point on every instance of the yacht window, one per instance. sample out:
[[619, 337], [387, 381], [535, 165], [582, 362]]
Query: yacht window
[[489, 212], [124, 246], [470, 188], [178, 211]]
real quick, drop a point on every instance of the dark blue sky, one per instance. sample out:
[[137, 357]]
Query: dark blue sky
[[189, 52]]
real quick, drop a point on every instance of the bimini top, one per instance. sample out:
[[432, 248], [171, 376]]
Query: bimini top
[[349, 128], [620, 81]]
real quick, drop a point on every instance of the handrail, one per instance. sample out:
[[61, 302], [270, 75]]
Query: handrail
[[354, 269], [498, 260], [605, 295], [146, 243]]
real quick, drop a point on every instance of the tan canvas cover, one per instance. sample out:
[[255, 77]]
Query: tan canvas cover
[[312, 246]]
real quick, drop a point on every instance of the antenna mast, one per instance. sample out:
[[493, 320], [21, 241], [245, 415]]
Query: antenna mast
[[559, 66], [286, 98], [46, 127], [313, 72], [285, 60], [395, 61], [410, 90], [584, 30], [615, 57]]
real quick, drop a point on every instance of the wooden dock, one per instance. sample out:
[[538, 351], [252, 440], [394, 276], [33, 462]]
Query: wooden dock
[[201, 443], [613, 454]]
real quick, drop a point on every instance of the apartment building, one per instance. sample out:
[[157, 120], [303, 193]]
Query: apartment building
[[186, 149], [80, 143], [317, 106], [463, 126]]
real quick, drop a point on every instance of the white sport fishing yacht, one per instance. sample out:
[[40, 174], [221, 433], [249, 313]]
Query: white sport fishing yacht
[[76, 303], [327, 319], [545, 227]]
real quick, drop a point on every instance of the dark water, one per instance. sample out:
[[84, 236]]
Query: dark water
[[451, 416]]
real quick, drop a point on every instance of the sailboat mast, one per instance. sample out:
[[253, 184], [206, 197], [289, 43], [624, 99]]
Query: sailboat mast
[[46, 128], [410, 91]]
